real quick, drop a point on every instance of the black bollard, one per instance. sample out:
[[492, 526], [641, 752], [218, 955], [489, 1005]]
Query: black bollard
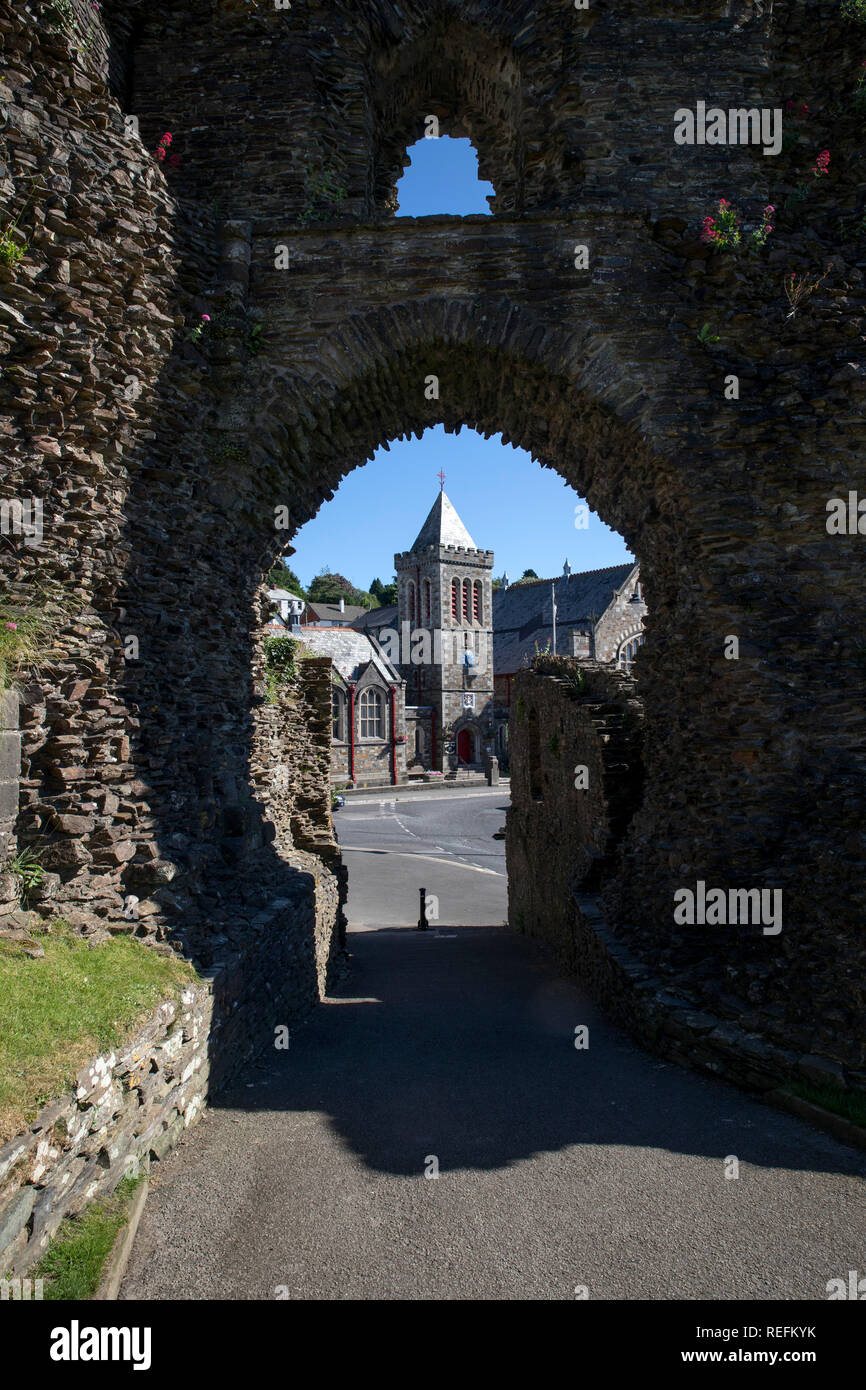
[[422, 920]]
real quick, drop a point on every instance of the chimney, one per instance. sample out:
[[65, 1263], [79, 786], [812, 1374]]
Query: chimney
[[342, 605]]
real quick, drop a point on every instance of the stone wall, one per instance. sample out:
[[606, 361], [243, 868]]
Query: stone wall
[[164, 455], [127, 1108], [566, 845], [562, 838], [10, 772]]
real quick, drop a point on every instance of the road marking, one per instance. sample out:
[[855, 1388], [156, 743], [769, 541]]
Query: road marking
[[431, 859]]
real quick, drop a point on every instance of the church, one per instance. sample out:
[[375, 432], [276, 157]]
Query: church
[[423, 686]]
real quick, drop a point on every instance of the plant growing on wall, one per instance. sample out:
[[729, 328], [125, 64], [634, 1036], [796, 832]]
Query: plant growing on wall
[[855, 10], [799, 288], [26, 635], [27, 868], [724, 231], [281, 664], [324, 194]]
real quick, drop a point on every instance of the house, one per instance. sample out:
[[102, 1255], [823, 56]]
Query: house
[[599, 616]]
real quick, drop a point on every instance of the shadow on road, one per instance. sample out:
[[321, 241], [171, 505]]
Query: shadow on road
[[459, 1043]]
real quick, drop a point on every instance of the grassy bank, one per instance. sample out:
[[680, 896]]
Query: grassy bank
[[62, 1009], [73, 1263]]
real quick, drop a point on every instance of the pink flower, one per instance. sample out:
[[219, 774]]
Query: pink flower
[[14, 626], [723, 203], [205, 318], [166, 139], [769, 208]]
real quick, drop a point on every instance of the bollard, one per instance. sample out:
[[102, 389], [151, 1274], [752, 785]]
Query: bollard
[[422, 920]]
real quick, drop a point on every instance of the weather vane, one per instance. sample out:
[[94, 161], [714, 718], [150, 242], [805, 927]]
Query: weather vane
[[441, 476]]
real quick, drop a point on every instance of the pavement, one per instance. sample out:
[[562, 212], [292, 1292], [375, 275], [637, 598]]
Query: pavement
[[433, 1132]]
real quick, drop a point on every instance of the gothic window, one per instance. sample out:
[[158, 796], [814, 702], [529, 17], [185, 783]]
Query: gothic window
[[476, 602], [412, 618], [338, 715], [467, 599], [426, 600], [455, 600], [627, 653], [372, 714]]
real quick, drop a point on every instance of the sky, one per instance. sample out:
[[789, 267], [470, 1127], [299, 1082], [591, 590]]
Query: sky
[[509, 504]]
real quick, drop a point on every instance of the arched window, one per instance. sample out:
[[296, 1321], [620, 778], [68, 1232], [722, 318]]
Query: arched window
[[628, 651], [455, 600], [372, 714], [477, 606], [426, 600], [412, 618], [338, 715], [467, 599]]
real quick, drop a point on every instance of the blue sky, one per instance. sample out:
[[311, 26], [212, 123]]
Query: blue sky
[[508, 503]]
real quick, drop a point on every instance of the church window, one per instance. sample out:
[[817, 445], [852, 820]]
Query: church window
[[627, 653], [372, 714], [455, 600], [426, 600], [338, 715], [412, 614], [467, 599], [476, 602]]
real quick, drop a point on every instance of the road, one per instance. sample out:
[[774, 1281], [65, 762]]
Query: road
[[440, 840], [561, 1171]]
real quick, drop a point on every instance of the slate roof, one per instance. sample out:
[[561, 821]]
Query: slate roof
[[350, 651], [376, 617], [522, 612], [330, 612], [443, 527]]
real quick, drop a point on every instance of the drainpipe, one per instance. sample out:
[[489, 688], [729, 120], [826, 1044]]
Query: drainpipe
[[433, 737], [351, 733], [420, 617], [393, 735]]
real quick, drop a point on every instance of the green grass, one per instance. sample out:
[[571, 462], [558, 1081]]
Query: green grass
[[851, 1105], [72, 1264], [61, 1010]]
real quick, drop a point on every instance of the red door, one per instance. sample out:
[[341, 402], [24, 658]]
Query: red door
[[464, 747]]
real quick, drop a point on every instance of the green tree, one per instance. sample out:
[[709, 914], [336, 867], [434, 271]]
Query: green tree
[[526, 576], [330, 588], [281, 577], [384, 594]]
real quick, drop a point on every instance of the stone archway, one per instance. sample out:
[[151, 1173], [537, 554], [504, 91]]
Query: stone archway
[[166, 503]]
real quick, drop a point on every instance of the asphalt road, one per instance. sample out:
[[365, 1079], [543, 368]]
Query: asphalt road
[[559, 1169], [440, 840]]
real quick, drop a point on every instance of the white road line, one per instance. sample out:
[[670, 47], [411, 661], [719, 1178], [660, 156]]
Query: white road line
[[406, 854]]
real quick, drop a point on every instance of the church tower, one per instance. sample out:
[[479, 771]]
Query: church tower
[[445, 618]]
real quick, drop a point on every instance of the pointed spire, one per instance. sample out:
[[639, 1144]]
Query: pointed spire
[[443, 527]]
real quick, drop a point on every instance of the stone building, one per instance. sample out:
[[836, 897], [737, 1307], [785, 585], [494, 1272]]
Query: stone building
[[599, 618], [368, 708], [443, 639]]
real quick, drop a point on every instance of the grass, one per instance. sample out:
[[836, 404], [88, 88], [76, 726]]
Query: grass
[[851, 1105], [72, 1264], [28, 632], [63, 1009]]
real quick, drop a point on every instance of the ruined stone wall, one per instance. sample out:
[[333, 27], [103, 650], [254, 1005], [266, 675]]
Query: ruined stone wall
[[576, 781], [163, 454], [577, 777]]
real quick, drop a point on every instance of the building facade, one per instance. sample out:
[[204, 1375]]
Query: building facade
[[599, 617], [443, 638]]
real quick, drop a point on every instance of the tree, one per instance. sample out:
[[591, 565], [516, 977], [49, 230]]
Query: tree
[[281, 577], [330, 588], [526, 577], [384, 594]]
